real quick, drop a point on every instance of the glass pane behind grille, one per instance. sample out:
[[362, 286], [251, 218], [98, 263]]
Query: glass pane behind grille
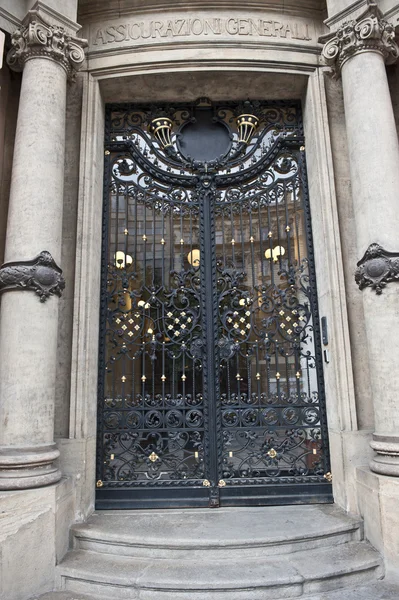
[[153, 403], [268, 382]]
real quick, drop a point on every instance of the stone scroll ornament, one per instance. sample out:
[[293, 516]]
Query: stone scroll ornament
[[369, 32], [377, 268], [41, 275], [38, 38]]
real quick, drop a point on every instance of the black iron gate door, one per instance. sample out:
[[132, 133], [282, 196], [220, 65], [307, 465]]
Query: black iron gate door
[[210, 381]]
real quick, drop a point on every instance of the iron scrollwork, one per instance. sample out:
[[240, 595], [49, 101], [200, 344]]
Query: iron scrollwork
[[377, 268], [42, 275]]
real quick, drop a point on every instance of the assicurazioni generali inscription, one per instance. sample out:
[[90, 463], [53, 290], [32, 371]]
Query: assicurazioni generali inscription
[[211, 27]]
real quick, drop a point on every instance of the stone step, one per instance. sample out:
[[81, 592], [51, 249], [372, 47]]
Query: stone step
[[62, 596], [213, 534], [381, 590], [108, 576]]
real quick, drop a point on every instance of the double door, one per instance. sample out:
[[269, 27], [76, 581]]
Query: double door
[[210, 383]]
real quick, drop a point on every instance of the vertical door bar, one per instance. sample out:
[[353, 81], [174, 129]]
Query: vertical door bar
[[210, 363]]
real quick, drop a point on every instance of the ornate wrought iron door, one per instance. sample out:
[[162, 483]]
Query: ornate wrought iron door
[[210, 380]]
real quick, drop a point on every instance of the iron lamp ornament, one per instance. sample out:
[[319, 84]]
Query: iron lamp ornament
[[161, 129], [247, 125]]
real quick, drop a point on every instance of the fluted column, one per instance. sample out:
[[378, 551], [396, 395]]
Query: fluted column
[[30, 279], [358, 52]]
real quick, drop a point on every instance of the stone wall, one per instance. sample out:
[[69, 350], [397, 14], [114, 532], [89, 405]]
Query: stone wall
[[393, 81], [336, 118], [10, 84], [68, 256]]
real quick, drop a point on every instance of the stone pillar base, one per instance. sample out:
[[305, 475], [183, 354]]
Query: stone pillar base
[[378, 498], [34, 537], [25, 468], [386, 461]]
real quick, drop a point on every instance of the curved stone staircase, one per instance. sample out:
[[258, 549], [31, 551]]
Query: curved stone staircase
[[225, 554]]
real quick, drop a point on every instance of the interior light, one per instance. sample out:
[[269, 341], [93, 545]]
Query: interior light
[[275, 253], [193, 257], [122, 260]]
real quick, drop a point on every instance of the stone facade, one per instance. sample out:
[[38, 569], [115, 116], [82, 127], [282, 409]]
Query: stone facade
[[339, 58]]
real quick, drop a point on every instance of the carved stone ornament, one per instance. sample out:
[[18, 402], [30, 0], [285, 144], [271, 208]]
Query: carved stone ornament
[[377, 268], [41, 39], [42, 275], [368, 32]]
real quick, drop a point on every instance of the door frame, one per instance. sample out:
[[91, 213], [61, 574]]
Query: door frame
[[78, 451]]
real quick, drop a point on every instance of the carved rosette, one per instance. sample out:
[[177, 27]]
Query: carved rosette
[[41, 275], [377, 268], [41, 39], [369, 33]]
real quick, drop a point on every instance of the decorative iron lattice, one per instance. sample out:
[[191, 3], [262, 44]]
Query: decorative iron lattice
[[210, 386]]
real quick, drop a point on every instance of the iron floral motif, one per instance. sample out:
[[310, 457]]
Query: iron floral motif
[[377, 268], [40, 38], [369, 32], [42, 275]]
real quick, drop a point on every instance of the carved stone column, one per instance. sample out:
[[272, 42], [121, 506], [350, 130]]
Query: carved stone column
[[30, 279], [358, 52]]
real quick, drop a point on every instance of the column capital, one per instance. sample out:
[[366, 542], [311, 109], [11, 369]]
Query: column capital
[[39, 38], [369, 32]]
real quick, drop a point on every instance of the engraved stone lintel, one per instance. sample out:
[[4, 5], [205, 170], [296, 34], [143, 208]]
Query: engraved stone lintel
[[42, 275], [38, 38], [377, 268], [370, 32]]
